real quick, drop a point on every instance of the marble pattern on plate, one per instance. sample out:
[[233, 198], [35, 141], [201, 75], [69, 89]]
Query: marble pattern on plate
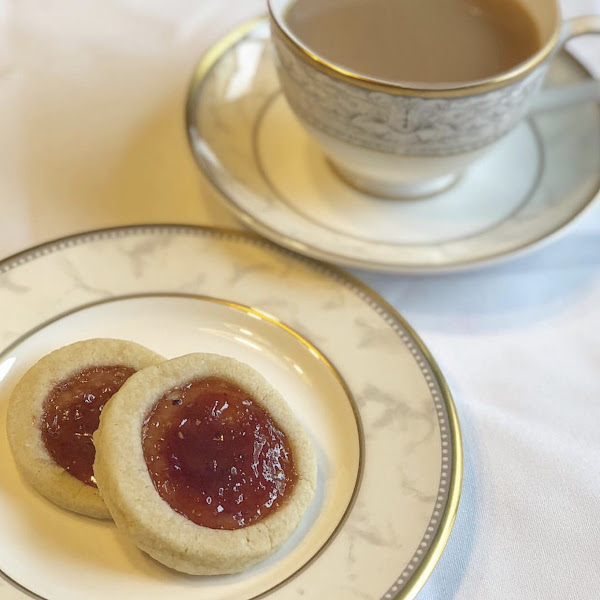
[[319, 303]]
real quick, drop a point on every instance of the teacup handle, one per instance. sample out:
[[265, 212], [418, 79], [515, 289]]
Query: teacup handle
[[587, 91], [579, 26]]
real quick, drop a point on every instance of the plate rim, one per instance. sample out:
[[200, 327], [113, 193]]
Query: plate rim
[[203, 69], [420, 574]]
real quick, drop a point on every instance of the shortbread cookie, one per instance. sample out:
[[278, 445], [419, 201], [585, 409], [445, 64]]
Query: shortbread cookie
[[54, 410], [203, 464]]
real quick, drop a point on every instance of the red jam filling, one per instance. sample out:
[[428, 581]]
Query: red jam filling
[[72, 415], [216, 456]]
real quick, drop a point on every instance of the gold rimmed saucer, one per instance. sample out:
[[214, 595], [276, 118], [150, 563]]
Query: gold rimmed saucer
[[533, 184]]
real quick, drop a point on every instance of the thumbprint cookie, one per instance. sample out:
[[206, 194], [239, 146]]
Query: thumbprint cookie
[[203, 464], [54, 410]]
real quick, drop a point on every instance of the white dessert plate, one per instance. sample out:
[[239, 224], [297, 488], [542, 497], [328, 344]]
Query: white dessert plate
[[358, 378], [532, 184]]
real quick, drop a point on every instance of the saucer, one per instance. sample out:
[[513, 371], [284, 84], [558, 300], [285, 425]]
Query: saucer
[[532, 184]]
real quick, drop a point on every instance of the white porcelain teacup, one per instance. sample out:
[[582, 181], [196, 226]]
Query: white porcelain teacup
[[394, 140]]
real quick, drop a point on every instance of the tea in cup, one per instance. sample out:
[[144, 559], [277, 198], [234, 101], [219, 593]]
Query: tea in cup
[[404, 95]]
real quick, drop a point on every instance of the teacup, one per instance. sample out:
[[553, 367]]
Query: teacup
[[394, 140]]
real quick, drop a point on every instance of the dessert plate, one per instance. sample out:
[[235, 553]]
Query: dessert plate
[[245, 138], [358, 378]]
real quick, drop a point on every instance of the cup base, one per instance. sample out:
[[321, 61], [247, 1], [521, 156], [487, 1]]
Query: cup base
[[389, 190]]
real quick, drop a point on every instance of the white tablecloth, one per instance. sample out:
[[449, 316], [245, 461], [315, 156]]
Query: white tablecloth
[[91, 135]]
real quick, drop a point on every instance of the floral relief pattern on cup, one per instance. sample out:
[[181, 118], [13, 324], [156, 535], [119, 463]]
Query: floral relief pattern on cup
[[402, 124]]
